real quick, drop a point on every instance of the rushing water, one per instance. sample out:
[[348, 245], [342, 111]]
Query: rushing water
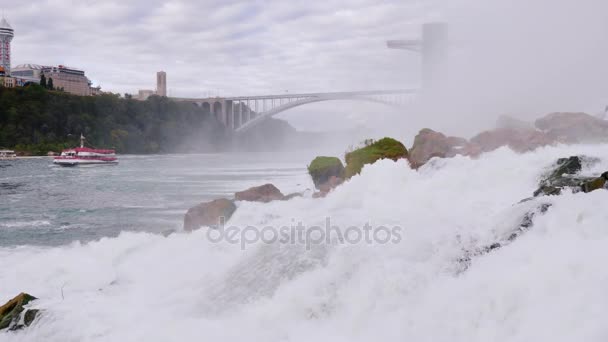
[[44, 204], [548, 285]]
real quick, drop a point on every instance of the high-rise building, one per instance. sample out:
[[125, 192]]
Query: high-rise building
[[161, 83], [6, 36]]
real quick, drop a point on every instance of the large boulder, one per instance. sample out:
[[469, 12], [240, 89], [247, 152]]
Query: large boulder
[[208, 214], [322, 169], [386, 148], [574, 127], [429, 144], [11, 313], [264, 193], [519, 140]]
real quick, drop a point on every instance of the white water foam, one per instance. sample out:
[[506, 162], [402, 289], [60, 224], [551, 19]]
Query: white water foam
[[548, 285]]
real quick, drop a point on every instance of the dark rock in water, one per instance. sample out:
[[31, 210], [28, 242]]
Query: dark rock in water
[[564, 176], [595, 184], [322, 169], [10, 313], [30, 316], [209, 214], [526, 222], [264, 193]]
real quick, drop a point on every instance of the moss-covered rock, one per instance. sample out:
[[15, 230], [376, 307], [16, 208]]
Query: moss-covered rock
[[10, 313], [322, 169], [386, 148]]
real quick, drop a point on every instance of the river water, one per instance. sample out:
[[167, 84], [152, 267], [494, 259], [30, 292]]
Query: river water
[[44, 204], [86, 242]]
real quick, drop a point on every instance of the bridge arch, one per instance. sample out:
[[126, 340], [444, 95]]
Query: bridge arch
[[261, 117]]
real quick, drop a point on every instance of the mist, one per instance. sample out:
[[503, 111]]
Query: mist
[[521, 58]]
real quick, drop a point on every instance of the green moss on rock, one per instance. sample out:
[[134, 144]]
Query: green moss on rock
[[11, 311], [321, 169], [386, 148]]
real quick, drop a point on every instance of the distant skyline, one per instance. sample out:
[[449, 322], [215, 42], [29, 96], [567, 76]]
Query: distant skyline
[[222, 47]]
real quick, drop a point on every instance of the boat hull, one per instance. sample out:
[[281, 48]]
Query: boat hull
[[82, 162]]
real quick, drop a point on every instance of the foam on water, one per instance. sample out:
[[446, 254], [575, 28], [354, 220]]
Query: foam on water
[[548, 285]]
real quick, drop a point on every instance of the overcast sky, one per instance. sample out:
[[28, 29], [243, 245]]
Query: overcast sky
[[222, 46], [519, 57]]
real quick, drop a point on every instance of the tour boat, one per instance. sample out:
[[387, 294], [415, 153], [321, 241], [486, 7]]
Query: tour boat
[[7, 154], [85, 156]]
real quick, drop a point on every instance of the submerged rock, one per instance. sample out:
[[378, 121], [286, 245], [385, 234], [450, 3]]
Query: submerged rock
[[386, 148], [209, 214], [322, 169], [11, 313], [264, 193]]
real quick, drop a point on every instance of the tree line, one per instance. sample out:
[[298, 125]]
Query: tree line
[[35, 120]]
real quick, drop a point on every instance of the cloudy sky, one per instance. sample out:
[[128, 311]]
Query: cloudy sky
[[222, 46], [518, 57]]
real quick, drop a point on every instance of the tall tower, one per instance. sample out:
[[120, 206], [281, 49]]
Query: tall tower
[[161, 83], [6, 36], [433, 46]]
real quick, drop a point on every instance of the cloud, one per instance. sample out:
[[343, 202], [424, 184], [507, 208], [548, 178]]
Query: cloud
[[230, 47]]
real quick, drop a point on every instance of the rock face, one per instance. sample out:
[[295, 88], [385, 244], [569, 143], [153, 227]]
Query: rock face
[[573, 128], [10, 313], [264, 193], [429, 144], [322, 169], [519, 140], [386, 148], [208, 214]]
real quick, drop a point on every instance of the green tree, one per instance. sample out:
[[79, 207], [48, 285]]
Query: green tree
[[43, 81], [50, 84]]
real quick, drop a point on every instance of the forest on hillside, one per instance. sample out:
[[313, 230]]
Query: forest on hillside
[[34, 120]]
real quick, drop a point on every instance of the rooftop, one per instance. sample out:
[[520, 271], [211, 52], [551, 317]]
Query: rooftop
[[4, 24]]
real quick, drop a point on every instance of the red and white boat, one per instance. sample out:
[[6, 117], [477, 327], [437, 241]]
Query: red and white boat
[[85, 156]]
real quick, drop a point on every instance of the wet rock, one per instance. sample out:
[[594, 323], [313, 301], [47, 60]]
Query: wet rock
[[519, 140], [429, 144], [525, 224], [574, 127], [327, 187], [209, 214], [564, 175], [264, 193], [386, 148], [322, 169], [595, 184], [11, 313]]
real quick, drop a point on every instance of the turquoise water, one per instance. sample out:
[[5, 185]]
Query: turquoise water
[[44, 204]]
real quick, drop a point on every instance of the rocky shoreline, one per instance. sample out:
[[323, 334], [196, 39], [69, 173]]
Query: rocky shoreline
[[329, 172]]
